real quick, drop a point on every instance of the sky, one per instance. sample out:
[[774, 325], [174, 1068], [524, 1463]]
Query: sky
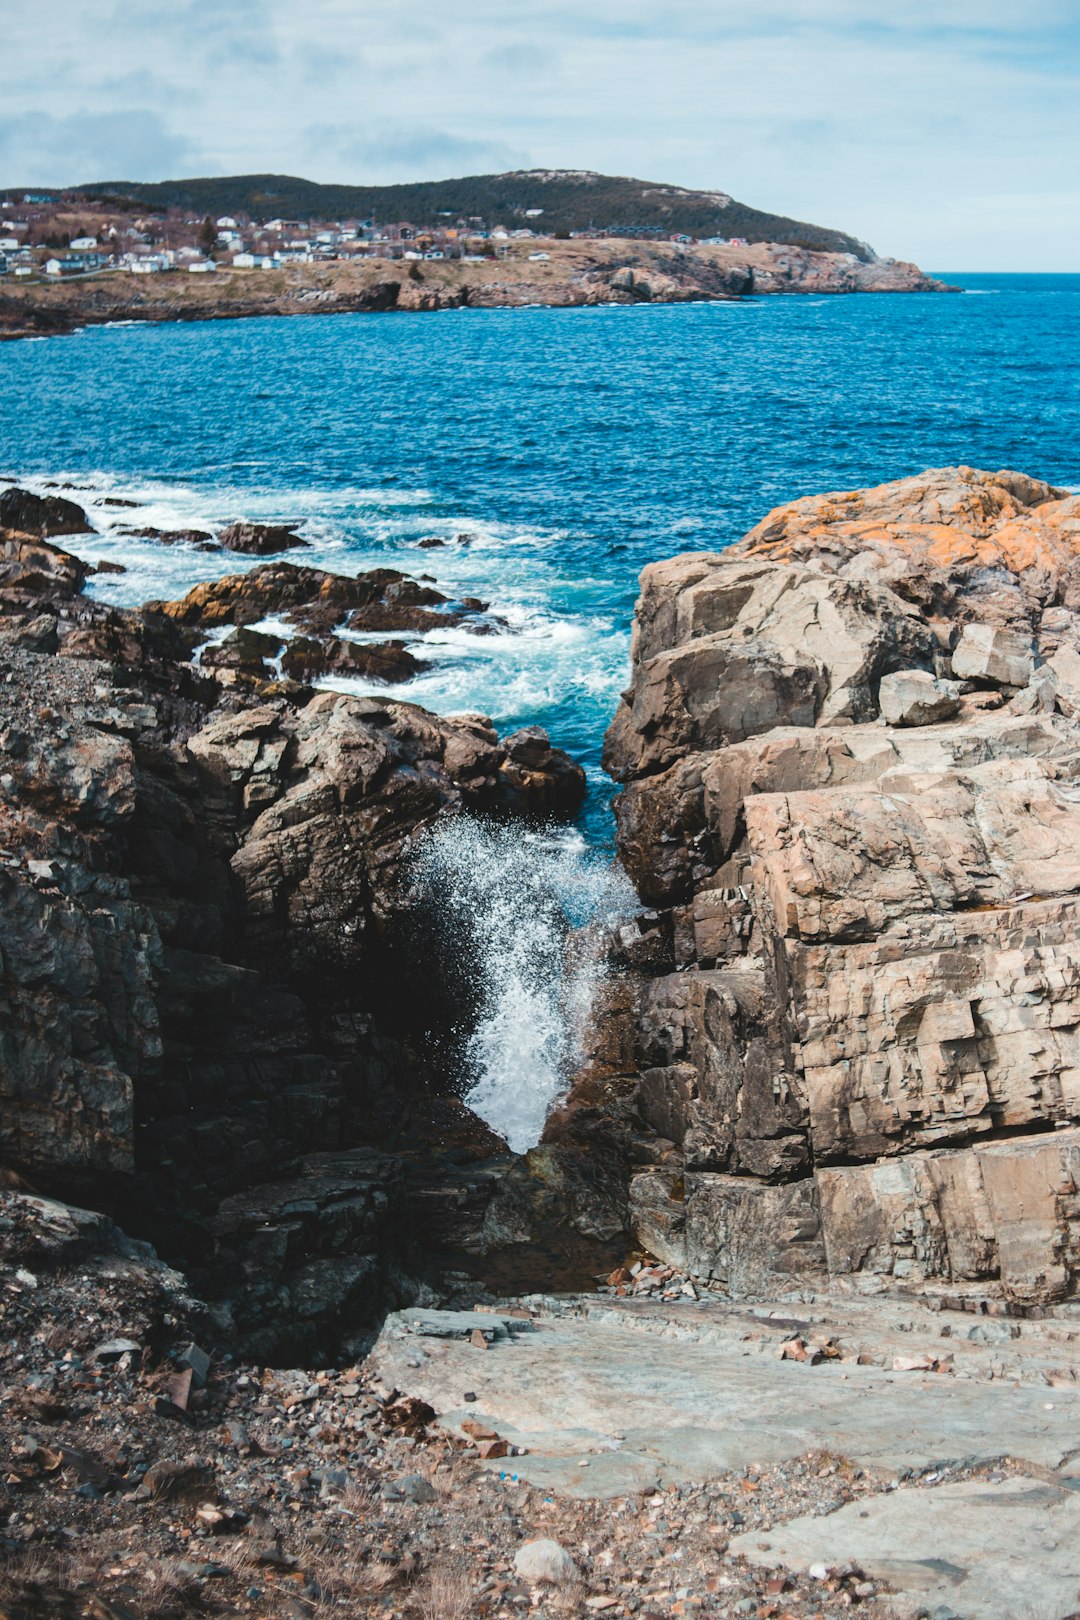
[[944, 131]]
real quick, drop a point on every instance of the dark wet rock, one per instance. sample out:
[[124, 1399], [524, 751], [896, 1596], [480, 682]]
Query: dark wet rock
[[306, 659], [537, 777], [246, 650], [260, 539], [26, 513], [199, 538]]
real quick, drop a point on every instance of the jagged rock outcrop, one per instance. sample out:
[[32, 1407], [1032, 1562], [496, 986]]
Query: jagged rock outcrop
[[852, 768], [208, 966]]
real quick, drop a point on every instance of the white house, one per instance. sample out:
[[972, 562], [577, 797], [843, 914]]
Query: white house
[[24, 269], [200, 267], [243, 261], [226, 223], [537, 256], [53, 267], [9, 244], [83, 244]]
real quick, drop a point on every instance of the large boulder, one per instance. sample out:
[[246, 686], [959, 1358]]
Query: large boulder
[[260, 539], [40, 515]]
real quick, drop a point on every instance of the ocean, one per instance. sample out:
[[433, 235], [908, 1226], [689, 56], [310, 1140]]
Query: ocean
[[554, 452]]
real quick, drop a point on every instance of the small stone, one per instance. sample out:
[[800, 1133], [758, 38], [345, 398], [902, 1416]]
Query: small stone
[[178, 1388], [544, 1560], [415, 1488], [113, 1349], [198, 1361], [478, 1431]]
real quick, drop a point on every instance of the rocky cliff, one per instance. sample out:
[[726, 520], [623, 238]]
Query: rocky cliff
[[850, 749], [219, 1019]]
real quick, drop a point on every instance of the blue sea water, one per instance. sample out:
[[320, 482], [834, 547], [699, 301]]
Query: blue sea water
[[571, 447]]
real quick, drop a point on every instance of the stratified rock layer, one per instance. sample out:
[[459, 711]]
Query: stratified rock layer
[[851, 753]]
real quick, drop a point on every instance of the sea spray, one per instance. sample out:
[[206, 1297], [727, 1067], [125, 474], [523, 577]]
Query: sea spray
[[506, 900]]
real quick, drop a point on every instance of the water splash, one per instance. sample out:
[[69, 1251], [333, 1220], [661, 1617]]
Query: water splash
[[507, 900]]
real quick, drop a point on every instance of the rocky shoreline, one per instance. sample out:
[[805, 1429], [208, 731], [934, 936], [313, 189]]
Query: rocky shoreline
[[574, 274], [827, 1116]]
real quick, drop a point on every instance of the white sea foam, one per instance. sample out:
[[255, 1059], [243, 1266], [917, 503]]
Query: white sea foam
[[535, 658], [507, 901]]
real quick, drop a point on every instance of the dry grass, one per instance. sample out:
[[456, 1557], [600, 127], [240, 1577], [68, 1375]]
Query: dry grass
[[357, 1497], [447, 1594], [41, 1566], [167, 1586]]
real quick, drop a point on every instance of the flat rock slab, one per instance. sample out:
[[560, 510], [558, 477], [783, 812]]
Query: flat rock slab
[[604, 1409], [987, 1551], [460, 1324]]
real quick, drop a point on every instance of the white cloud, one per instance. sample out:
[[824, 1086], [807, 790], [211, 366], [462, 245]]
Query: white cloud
[[407, 151], [134, 144], [905, 125]]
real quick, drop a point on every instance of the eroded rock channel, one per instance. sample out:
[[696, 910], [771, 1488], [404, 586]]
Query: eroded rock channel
[[830, 1072]]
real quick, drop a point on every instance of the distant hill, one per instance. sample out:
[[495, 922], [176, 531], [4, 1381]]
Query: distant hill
[[571, 200]]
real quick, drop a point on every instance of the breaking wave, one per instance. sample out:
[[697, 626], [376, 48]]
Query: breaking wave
[[507, 903]]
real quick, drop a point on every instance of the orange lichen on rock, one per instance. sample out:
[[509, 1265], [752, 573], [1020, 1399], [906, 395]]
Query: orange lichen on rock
[[944, 518]]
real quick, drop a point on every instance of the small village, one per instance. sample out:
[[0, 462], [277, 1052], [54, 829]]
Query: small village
[[64, 236]]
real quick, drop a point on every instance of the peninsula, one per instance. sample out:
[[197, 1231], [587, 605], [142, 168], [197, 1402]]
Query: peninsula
[[169, 252]]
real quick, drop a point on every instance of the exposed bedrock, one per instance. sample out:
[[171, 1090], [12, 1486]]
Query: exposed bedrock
[[214, 1015], [851, 757]]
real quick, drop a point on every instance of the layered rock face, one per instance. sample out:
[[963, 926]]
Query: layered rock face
[[851, 752], [212, 1013]]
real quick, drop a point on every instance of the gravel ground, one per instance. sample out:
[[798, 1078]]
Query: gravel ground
[[140, 1479]]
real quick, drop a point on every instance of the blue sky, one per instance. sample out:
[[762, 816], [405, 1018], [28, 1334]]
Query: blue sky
[[946, 132]]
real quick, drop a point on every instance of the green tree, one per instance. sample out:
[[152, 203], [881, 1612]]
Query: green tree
[[207, 235]]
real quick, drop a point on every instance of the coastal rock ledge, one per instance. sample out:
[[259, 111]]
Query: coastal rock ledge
[[850, 751]]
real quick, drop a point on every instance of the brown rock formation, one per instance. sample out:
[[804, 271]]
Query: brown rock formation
[[850, 754], [260, 539]]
